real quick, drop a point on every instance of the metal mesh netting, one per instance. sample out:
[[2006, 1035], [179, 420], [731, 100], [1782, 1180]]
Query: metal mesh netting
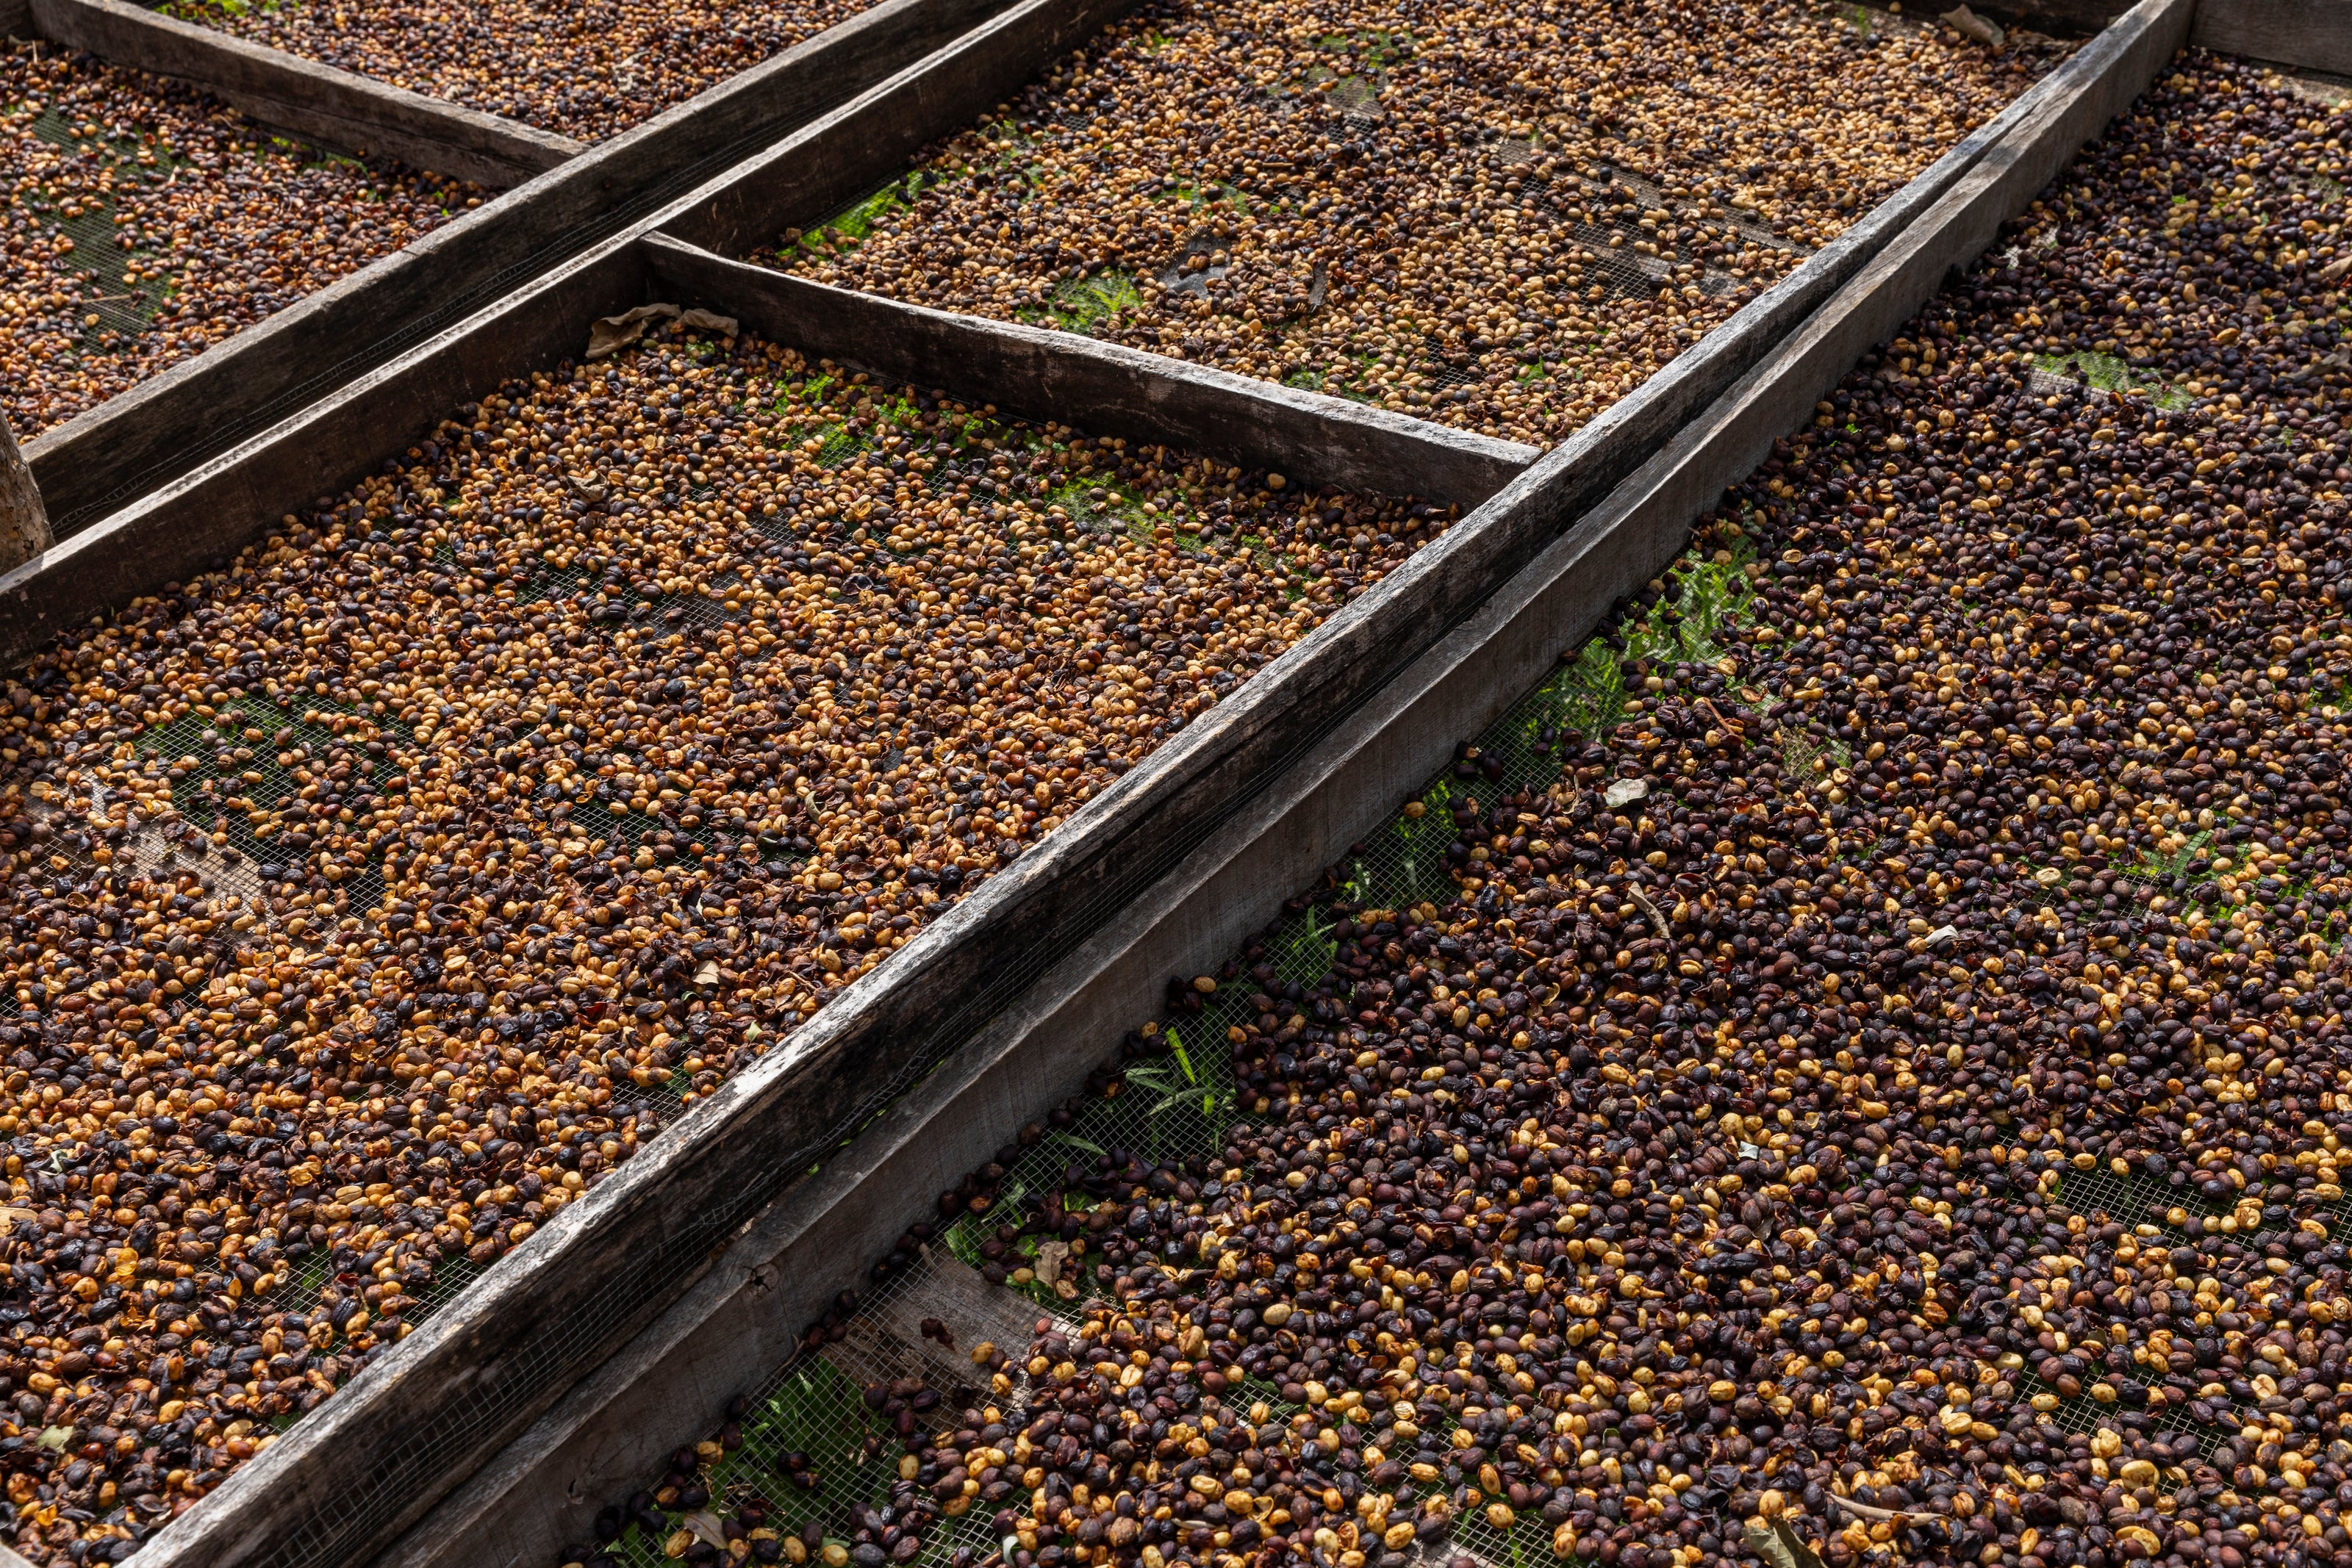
[[813, 1445], [125, 308], [237, 757], [113, 319], [1178, 1103]]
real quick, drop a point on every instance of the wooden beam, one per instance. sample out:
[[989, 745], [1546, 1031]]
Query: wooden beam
[[2310, 35], [1040, 374], [336, 109], [736, 1322], [133, 444], [2304, 34], [24, 521]]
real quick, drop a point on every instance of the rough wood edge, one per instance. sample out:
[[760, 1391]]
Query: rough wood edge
[[871, 140], [832, 158], [101, 460], [2307, 35], [736, 1324], [223, 504], [24, 520], [2299, 35], [337, 107], [1038, 373], [2088, 74]]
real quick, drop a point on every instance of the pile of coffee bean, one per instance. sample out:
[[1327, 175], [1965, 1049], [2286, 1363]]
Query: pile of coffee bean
[[210, 226], [589, 72], [370, 896], [1887, 1100], [1503, 220]]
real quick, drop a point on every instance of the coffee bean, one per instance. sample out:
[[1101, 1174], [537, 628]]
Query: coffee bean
[[212, 225]]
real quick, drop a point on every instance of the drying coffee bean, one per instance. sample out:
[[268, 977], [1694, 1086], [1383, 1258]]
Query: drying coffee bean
[[1874, 1080], [1486, 219], [588, 72], [147, 221], [368, 893]]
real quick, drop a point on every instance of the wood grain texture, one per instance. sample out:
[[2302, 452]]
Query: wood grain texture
[[2312, 35], [738, 1322], [338, 108], [24, 520], [2308, 35], [109, 456], [1040, 374]]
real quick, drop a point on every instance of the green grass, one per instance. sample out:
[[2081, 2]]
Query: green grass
[[1083, 304], [1203, 194], [848, 229], [1329, 385], [1120, 511], [1378, 47], [2110, 374]]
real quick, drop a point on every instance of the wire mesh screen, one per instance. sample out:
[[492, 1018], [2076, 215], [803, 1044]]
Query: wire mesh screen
[[606, 219], [125, 308], [945, 1331]]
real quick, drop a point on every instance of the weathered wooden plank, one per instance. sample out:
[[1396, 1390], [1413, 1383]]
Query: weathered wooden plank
[[1042, 374], [131, 444], [24, 520], [2063, 17], [2308, 35], [226, 504], [337, 109], [2311, 35], [737, 1321]]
